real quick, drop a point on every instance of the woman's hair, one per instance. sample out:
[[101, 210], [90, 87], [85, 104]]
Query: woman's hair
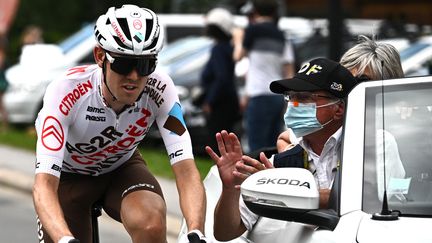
[[382, 59], [217, 33]]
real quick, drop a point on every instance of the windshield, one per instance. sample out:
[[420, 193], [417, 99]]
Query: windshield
[[404, 143]]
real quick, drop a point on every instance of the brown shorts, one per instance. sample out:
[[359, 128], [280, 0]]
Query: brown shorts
[[77, 193]]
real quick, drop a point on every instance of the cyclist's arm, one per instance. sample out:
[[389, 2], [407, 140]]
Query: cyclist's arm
[[191, 193], [175, 135], [52, 127], [48, 207]]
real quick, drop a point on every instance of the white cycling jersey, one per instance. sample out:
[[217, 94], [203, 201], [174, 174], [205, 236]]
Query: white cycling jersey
[[79, 133]]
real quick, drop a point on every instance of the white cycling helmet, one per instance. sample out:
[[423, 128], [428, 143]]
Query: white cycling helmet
[[129, 30]]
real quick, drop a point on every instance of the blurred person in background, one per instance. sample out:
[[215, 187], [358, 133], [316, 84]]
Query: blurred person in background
[[369, 60], [270, 58], [3, 83], [32, 34], [220, 100]]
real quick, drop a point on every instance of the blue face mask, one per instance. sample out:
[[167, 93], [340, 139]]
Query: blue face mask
[[302, 119]]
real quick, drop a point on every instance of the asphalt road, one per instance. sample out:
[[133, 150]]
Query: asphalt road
[[18, 220], [17, 216]]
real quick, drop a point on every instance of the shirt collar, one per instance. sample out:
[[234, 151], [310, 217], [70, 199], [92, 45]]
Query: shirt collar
[[334, 139]]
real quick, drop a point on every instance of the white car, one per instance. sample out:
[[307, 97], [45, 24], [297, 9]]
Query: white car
[[39, 65], [387, 121]]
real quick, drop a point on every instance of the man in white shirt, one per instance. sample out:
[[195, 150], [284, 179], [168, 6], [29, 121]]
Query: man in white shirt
[[315, 112]]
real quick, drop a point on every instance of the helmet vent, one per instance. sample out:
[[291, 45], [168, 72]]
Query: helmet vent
[[153, 44], [120, 43], [124, 26], [149, 28]]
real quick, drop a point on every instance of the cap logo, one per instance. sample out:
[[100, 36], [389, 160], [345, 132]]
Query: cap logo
[[310, 69], [336, 86]]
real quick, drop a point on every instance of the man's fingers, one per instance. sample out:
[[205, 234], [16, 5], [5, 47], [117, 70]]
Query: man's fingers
[[240, 176], [265, 161], [253, 163], [227, 141], [212, 154], [248, 167], [220, 144], [236, 146]]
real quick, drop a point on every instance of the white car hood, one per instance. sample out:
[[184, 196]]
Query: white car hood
[[39, 62], [415, 230], [25, 75]]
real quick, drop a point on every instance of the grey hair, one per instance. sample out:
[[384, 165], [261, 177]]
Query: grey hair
[[369, 54]]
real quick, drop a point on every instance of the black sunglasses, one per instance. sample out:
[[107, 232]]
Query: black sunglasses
[[124, 65]]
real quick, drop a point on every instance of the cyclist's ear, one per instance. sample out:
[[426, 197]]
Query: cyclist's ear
[[99, 55]]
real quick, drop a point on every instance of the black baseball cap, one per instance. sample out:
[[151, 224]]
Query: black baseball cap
[[318, 74]]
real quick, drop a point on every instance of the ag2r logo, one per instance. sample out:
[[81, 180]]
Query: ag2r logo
[[52, 134]]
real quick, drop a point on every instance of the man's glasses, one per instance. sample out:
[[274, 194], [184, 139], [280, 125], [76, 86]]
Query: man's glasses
[[124, 65], [305, 97]]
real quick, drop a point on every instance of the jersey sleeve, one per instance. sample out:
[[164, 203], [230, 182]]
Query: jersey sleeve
[[171, 123], [53, 121], [51, 127]]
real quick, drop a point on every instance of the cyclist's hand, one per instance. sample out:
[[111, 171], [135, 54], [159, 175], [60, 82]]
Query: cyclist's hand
[[194, 236], [68, 239]]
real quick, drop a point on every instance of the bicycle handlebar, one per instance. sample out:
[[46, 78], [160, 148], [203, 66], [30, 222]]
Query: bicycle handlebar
[[193, 238]]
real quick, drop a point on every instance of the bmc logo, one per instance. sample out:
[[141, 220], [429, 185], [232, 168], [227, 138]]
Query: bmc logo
[[176, 154]]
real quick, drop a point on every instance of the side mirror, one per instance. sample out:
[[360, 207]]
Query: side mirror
[[288, 194]]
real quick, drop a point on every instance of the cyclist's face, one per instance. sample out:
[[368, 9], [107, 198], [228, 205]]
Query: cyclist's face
[[126, 87]]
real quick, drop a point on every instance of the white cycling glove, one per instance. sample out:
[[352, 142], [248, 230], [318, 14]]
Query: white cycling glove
[[68, 239], [194, 236]]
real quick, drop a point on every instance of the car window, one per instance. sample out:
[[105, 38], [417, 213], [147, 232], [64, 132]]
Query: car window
[[399, 134]]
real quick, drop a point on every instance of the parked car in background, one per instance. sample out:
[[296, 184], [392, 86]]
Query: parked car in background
[[417, 58], [387, 128], [39, 64]]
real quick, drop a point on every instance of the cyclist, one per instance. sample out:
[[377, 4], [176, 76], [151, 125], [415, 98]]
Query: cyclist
[[89, 129]]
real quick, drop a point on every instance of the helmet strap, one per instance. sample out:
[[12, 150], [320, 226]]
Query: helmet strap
[[105, 80]]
